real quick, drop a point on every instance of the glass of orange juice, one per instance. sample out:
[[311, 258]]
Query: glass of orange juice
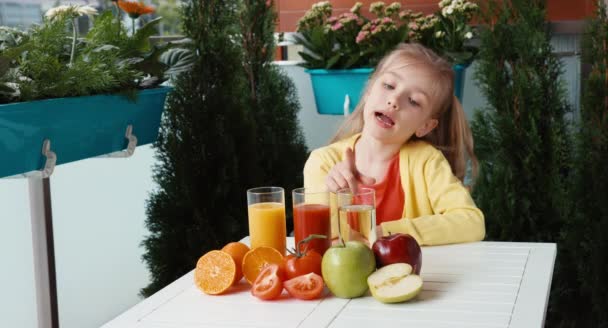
[[267, 222]]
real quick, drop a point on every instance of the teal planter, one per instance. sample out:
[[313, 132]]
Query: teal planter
[[78, 127], [331, 86], [459, 78]]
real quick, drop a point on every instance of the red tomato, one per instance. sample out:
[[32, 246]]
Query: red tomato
[[307, 263], [268, 285], [306, 287]]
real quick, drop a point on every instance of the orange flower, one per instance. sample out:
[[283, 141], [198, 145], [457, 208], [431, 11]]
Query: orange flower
[[134, 8]]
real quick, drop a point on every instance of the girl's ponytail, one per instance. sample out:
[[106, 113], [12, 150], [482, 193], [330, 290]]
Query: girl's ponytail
[[457, 144]]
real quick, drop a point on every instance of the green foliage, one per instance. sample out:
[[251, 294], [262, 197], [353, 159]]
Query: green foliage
[[204, 150], [350, 39], [37, 64], [524, 145], [584, 235], [230, 125], [273, 103], [521, 137]]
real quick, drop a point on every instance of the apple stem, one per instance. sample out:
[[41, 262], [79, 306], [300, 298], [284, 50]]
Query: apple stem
[[304, 241]]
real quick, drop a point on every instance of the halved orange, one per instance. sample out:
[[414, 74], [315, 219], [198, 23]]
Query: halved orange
[[214, 272], [257, 259], [237, 250]]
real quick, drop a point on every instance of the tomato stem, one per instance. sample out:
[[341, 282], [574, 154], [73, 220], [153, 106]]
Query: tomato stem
[[298, 252]]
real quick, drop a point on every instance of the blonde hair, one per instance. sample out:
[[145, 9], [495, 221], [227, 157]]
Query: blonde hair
[[452, 135]]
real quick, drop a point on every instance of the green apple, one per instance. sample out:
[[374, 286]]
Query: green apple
[[394, 283], [345, 268]]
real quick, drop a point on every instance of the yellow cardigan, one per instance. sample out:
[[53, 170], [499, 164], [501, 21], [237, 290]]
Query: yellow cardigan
[[438, 209]]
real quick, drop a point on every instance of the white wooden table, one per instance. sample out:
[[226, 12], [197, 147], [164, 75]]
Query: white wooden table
[[485, 284]]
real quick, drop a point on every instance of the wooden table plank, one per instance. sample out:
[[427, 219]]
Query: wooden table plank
[[486, 284], [533, 297]]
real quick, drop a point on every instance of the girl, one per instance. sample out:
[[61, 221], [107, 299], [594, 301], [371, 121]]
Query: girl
[[409, 140]]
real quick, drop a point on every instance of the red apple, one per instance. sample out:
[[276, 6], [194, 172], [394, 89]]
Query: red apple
[[398, 248]]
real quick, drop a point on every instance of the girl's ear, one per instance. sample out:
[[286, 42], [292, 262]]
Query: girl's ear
[[427, 127]]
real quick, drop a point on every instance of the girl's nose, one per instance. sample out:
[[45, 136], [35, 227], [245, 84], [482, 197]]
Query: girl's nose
[[393, 104]]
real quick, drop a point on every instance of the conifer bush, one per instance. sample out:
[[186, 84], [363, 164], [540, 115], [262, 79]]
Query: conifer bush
[[231, 124]]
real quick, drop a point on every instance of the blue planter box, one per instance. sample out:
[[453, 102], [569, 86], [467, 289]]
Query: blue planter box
[[331, 86], [78, 127]]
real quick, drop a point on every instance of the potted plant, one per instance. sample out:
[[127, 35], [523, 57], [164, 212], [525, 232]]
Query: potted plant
[[341, 51], [449, 33], [81, 93]]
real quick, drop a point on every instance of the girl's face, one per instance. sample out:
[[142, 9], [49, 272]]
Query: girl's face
[[399, 104]]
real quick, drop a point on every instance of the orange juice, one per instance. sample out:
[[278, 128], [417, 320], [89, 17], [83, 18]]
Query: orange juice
[[267, 226]]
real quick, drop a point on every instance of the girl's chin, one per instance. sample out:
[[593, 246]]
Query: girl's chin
[[384, 136]]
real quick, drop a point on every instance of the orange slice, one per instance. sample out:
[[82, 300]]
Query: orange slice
[[214, 272], [237, 250], [257, 259]]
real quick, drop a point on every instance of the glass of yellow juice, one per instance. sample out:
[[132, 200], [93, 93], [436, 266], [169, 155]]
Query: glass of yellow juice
[[357, 215], [267, 223]]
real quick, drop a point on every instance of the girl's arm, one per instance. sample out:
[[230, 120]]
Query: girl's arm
[[456, 218]]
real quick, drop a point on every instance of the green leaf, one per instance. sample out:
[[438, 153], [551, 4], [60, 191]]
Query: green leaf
[[141, 38], [178, 60], [308, 57], [333, 60], [6, 90], [352, 60], [5, 65]]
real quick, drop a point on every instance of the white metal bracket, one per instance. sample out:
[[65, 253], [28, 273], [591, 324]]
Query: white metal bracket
[[49, 164], [51, 159], [130, 146]]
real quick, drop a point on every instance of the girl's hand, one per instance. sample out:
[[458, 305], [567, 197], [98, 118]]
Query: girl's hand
[[345, 175]]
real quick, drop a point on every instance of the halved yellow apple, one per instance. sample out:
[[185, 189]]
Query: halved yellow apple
[[394, 283]]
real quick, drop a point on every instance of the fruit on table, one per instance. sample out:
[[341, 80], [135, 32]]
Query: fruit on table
[[215, 272], [345, 268], [269, 284], [300, 262], [237, 251], [398, 248], [257, 259], [306, 263], [305, 287], [394, 283]]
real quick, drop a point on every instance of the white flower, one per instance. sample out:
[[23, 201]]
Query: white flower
[[86, 10], [468, 35], [447, 11], [72, 10], [439, 34]]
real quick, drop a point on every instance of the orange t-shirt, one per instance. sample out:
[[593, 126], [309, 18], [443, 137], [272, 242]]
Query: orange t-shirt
[[389, 194]]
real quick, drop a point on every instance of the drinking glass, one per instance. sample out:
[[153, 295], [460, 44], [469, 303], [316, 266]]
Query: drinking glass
[[357, 215], [311, 215], [266, 209]]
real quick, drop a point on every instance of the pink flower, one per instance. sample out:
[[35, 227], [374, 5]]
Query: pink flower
[[268, 3], [336, 26], [386, 20], [332, 19], [361, 36], [412, 26]]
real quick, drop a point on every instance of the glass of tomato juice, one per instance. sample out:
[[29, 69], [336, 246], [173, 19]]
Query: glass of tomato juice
[[311, 215]]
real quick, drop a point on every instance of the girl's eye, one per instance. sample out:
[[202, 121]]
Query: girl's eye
[[387, 86], [413, 102]]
